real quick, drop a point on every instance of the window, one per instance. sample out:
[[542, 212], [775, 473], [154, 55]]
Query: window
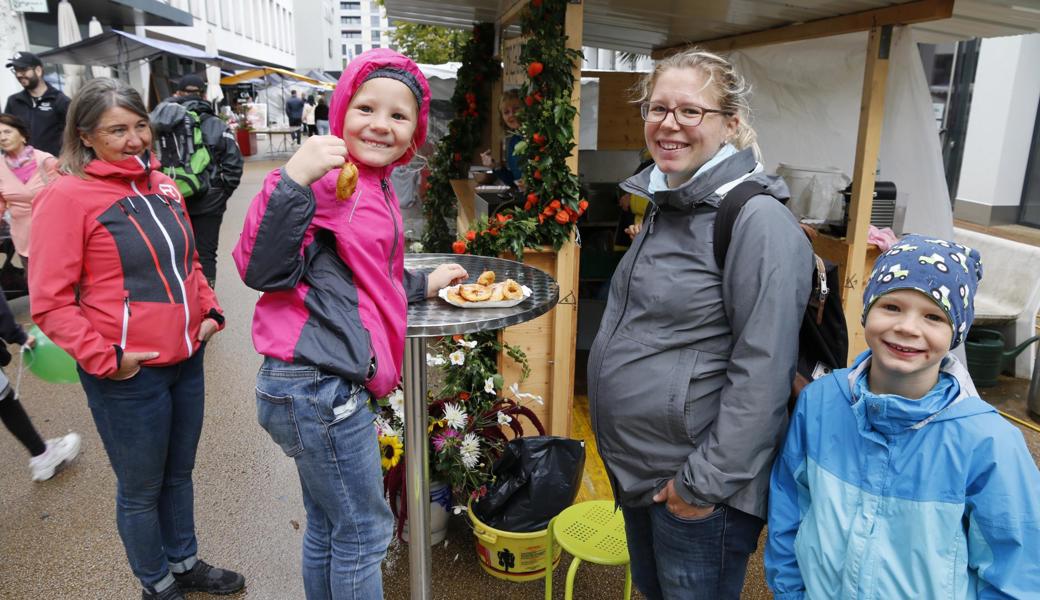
[[225, 14], [352, 35], [375, 20], [211, 11], [350, 6], [350, 20], [375, 37], [240, 16], [358, 49]]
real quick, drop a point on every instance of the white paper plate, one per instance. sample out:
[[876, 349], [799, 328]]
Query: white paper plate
[[443, 293]]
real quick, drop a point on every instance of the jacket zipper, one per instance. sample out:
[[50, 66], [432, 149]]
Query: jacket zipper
[[173, 264], [393, 249], [126, 319]]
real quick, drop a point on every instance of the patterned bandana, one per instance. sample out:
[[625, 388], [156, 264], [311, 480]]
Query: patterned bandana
[[946, 272]]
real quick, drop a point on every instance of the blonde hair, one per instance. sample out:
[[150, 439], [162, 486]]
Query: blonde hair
[[87, 108], [729, 86]]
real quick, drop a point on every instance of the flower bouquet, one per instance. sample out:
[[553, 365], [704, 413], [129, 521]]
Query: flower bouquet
[[470, 419]]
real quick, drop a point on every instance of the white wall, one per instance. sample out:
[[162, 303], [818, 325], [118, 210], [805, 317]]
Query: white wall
[[261, 30], [1000, 124], [317, 28], [12, 39]]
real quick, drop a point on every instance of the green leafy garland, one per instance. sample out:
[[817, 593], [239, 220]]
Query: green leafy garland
[[552, 202], [470, 100]]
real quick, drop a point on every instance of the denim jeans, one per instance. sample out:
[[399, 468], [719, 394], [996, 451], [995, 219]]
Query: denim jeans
[[150, 426], [325, 424], [703, 559], [322, 126]]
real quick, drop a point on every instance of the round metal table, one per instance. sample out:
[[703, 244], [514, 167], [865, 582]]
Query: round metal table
[[434, 318]]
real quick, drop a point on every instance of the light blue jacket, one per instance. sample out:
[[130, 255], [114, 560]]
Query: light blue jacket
[[878, 496]]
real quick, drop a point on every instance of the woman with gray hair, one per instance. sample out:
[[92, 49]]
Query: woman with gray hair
[[116, 282], [691, 369]]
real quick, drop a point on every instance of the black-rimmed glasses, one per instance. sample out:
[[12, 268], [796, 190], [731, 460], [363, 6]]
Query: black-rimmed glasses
[[687, 116]]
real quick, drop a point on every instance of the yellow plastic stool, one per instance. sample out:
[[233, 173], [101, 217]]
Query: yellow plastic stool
[[591, 531]]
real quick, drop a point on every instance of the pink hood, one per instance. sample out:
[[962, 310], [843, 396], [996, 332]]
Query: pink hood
[[354, 76]]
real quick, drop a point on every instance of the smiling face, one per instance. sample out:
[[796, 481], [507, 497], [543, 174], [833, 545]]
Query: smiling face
[[680, 150], [380, 122], [119, 135], [28, 77], [510, 114], [908, 335], [11, 140]]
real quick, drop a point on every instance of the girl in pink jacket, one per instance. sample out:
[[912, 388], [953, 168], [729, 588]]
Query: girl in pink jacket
[[331, 321]]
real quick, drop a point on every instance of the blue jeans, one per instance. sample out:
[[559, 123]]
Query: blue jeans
[[150, 426], [703, 559], [325, 424]]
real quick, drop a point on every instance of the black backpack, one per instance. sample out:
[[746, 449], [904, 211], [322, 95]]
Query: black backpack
[[182, 149], [823, 339]]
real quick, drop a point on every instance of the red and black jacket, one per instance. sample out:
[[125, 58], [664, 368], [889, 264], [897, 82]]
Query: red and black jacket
[[115, 267]]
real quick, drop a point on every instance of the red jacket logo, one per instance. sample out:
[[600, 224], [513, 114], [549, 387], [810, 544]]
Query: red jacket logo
[[169, 190]]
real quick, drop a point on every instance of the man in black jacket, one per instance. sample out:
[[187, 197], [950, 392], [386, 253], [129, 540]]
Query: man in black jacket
[[39, 106], [207, 210]]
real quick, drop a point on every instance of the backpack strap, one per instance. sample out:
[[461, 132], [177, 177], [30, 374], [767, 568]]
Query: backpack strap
[[726, 217]]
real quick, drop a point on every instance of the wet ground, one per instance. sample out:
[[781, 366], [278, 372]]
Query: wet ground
[[58, 539]]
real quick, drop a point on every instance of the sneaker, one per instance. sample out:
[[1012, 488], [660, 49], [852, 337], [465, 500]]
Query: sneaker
[[171, 593], [59, 450], [204, 577]]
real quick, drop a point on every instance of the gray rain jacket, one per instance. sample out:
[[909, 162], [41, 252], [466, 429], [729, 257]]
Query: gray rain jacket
[[691, 369]]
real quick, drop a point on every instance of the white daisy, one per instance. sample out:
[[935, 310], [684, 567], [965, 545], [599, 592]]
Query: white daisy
[[397, 403], [471, 344], [469, 449], [457, 357], [415, 247], [504, 419], [455, 416], [433, 360], [489, 385]]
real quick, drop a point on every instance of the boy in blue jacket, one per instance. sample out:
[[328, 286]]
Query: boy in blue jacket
[[896, 480]]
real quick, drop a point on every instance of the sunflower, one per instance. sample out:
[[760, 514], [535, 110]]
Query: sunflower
[[391, 450]]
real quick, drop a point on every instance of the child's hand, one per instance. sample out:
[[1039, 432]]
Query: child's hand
[[30, 342], [316, 157], [443, 276]]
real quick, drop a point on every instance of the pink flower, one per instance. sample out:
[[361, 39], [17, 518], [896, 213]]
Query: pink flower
[[441, 439]]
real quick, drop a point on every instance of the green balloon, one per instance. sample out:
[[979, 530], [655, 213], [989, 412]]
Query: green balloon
[[48, 361]]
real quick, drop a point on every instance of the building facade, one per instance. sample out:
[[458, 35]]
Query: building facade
[[362, 25]]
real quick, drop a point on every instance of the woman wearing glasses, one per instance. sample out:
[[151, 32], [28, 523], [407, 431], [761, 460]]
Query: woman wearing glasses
[[688, 444], [116, 282]]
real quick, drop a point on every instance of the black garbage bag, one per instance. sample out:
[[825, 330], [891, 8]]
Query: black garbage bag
[[535, 479]]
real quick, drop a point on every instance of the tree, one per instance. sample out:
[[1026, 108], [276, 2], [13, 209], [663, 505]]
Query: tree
[[431, 44]]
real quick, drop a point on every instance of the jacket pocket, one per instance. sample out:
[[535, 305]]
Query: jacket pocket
[[336, 398], [275, 414], [678, 393], [333, 339]]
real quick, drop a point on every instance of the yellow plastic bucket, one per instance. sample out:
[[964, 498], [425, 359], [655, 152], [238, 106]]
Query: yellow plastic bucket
[[512, 556]]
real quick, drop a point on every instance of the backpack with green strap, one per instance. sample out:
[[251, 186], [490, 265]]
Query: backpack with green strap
[[181, 151]]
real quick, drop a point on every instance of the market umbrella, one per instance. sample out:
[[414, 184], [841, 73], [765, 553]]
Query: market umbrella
[[95, 28], [68, 33], [213, 91]]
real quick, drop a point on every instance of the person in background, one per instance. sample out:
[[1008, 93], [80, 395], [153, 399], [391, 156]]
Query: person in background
[[41, 107], [117, 284], [321, 116], [896, 480], [688, 443], [226, 164], [510, 171], [331, 320], [294, 111], [45, 458], [23, 173], [308, 116]]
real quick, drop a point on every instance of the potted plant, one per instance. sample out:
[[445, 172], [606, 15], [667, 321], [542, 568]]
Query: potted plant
[[467, 430], [245, 135]]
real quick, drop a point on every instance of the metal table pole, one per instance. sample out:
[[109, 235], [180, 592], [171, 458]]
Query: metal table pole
[[417, 469]]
